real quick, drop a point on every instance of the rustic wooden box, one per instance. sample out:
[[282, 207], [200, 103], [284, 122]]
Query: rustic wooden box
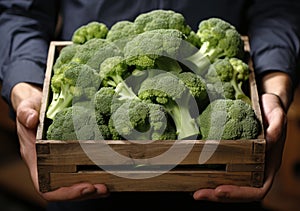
[[63, 163]]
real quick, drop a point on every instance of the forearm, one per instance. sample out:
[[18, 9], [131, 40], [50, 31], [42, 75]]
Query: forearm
[[26, 29], [279, 84], [275, 45]]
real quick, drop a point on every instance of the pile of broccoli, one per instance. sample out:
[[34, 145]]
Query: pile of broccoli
[[152, 78]]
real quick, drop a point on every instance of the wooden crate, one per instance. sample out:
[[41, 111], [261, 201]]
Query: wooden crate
[[63, 163]]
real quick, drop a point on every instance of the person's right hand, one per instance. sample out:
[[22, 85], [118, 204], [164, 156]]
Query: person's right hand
[[26, 101]]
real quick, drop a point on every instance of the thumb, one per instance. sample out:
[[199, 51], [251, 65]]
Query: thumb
[[28, 117]]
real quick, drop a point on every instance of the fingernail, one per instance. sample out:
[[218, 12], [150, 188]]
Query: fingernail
[[87, 191]]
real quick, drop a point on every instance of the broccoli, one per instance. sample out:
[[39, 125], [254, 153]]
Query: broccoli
[[241, 74], [95, 51], [227, 119], [197, 87], [70, 122], [226, 78], [103, 99], [66, 54], [140, 120], [113, 70], [87, 50], [76, 83], [168, 90], [219, 39], [161, 19], [109, 49], [121, 30], [89, 31], [146, 50], [194, 39], [220, 90]]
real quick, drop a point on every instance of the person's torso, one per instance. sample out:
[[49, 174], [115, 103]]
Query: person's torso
[[79, 12]]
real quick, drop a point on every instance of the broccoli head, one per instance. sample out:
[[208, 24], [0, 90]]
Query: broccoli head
[[73, 123], [76, 83], [66, 54], [109, 49], [161, 19], [121, 30], [89, 31], [87, 50], [197, 87], [241, 74], [140, 120], [168, 90], [227, 77], [113, 70], [103, 99], [226, 119], [143, 50], [219, 39]]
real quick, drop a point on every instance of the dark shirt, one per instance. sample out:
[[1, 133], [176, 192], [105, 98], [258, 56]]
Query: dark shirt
[[27, 27]]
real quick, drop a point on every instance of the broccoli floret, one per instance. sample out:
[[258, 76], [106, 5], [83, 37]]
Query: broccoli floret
[[143, 50], [162, 126], [194, 39], [113, 70], [95, 51], [87, 50], [109, 49], [121, 30], [197, 87], [140, 120], [77, 83], [89, 31], [219, 39], [78, 122], [103, 101], [168, 90], [229, 120], [66, 54], [161, 19], [226, 78], [241, 74], [220, 90], [69, 122]]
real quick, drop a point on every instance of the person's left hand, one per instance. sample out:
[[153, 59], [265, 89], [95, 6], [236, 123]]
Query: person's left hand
[[274, 103]]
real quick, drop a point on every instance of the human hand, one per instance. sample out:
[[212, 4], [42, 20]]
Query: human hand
[[26, 100], [275, 101]]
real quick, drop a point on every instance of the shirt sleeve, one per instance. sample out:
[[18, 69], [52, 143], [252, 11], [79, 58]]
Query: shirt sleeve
[[274, 36], [26, 28]]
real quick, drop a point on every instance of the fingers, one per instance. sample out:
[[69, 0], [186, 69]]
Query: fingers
[[80, 191], [230, 194]]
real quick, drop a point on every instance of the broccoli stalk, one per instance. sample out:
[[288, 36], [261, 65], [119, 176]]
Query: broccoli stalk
[[77, 82], [60, 101], [240, 75], [167, 90]]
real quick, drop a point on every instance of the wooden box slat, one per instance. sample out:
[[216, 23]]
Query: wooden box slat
[[63, 163]]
